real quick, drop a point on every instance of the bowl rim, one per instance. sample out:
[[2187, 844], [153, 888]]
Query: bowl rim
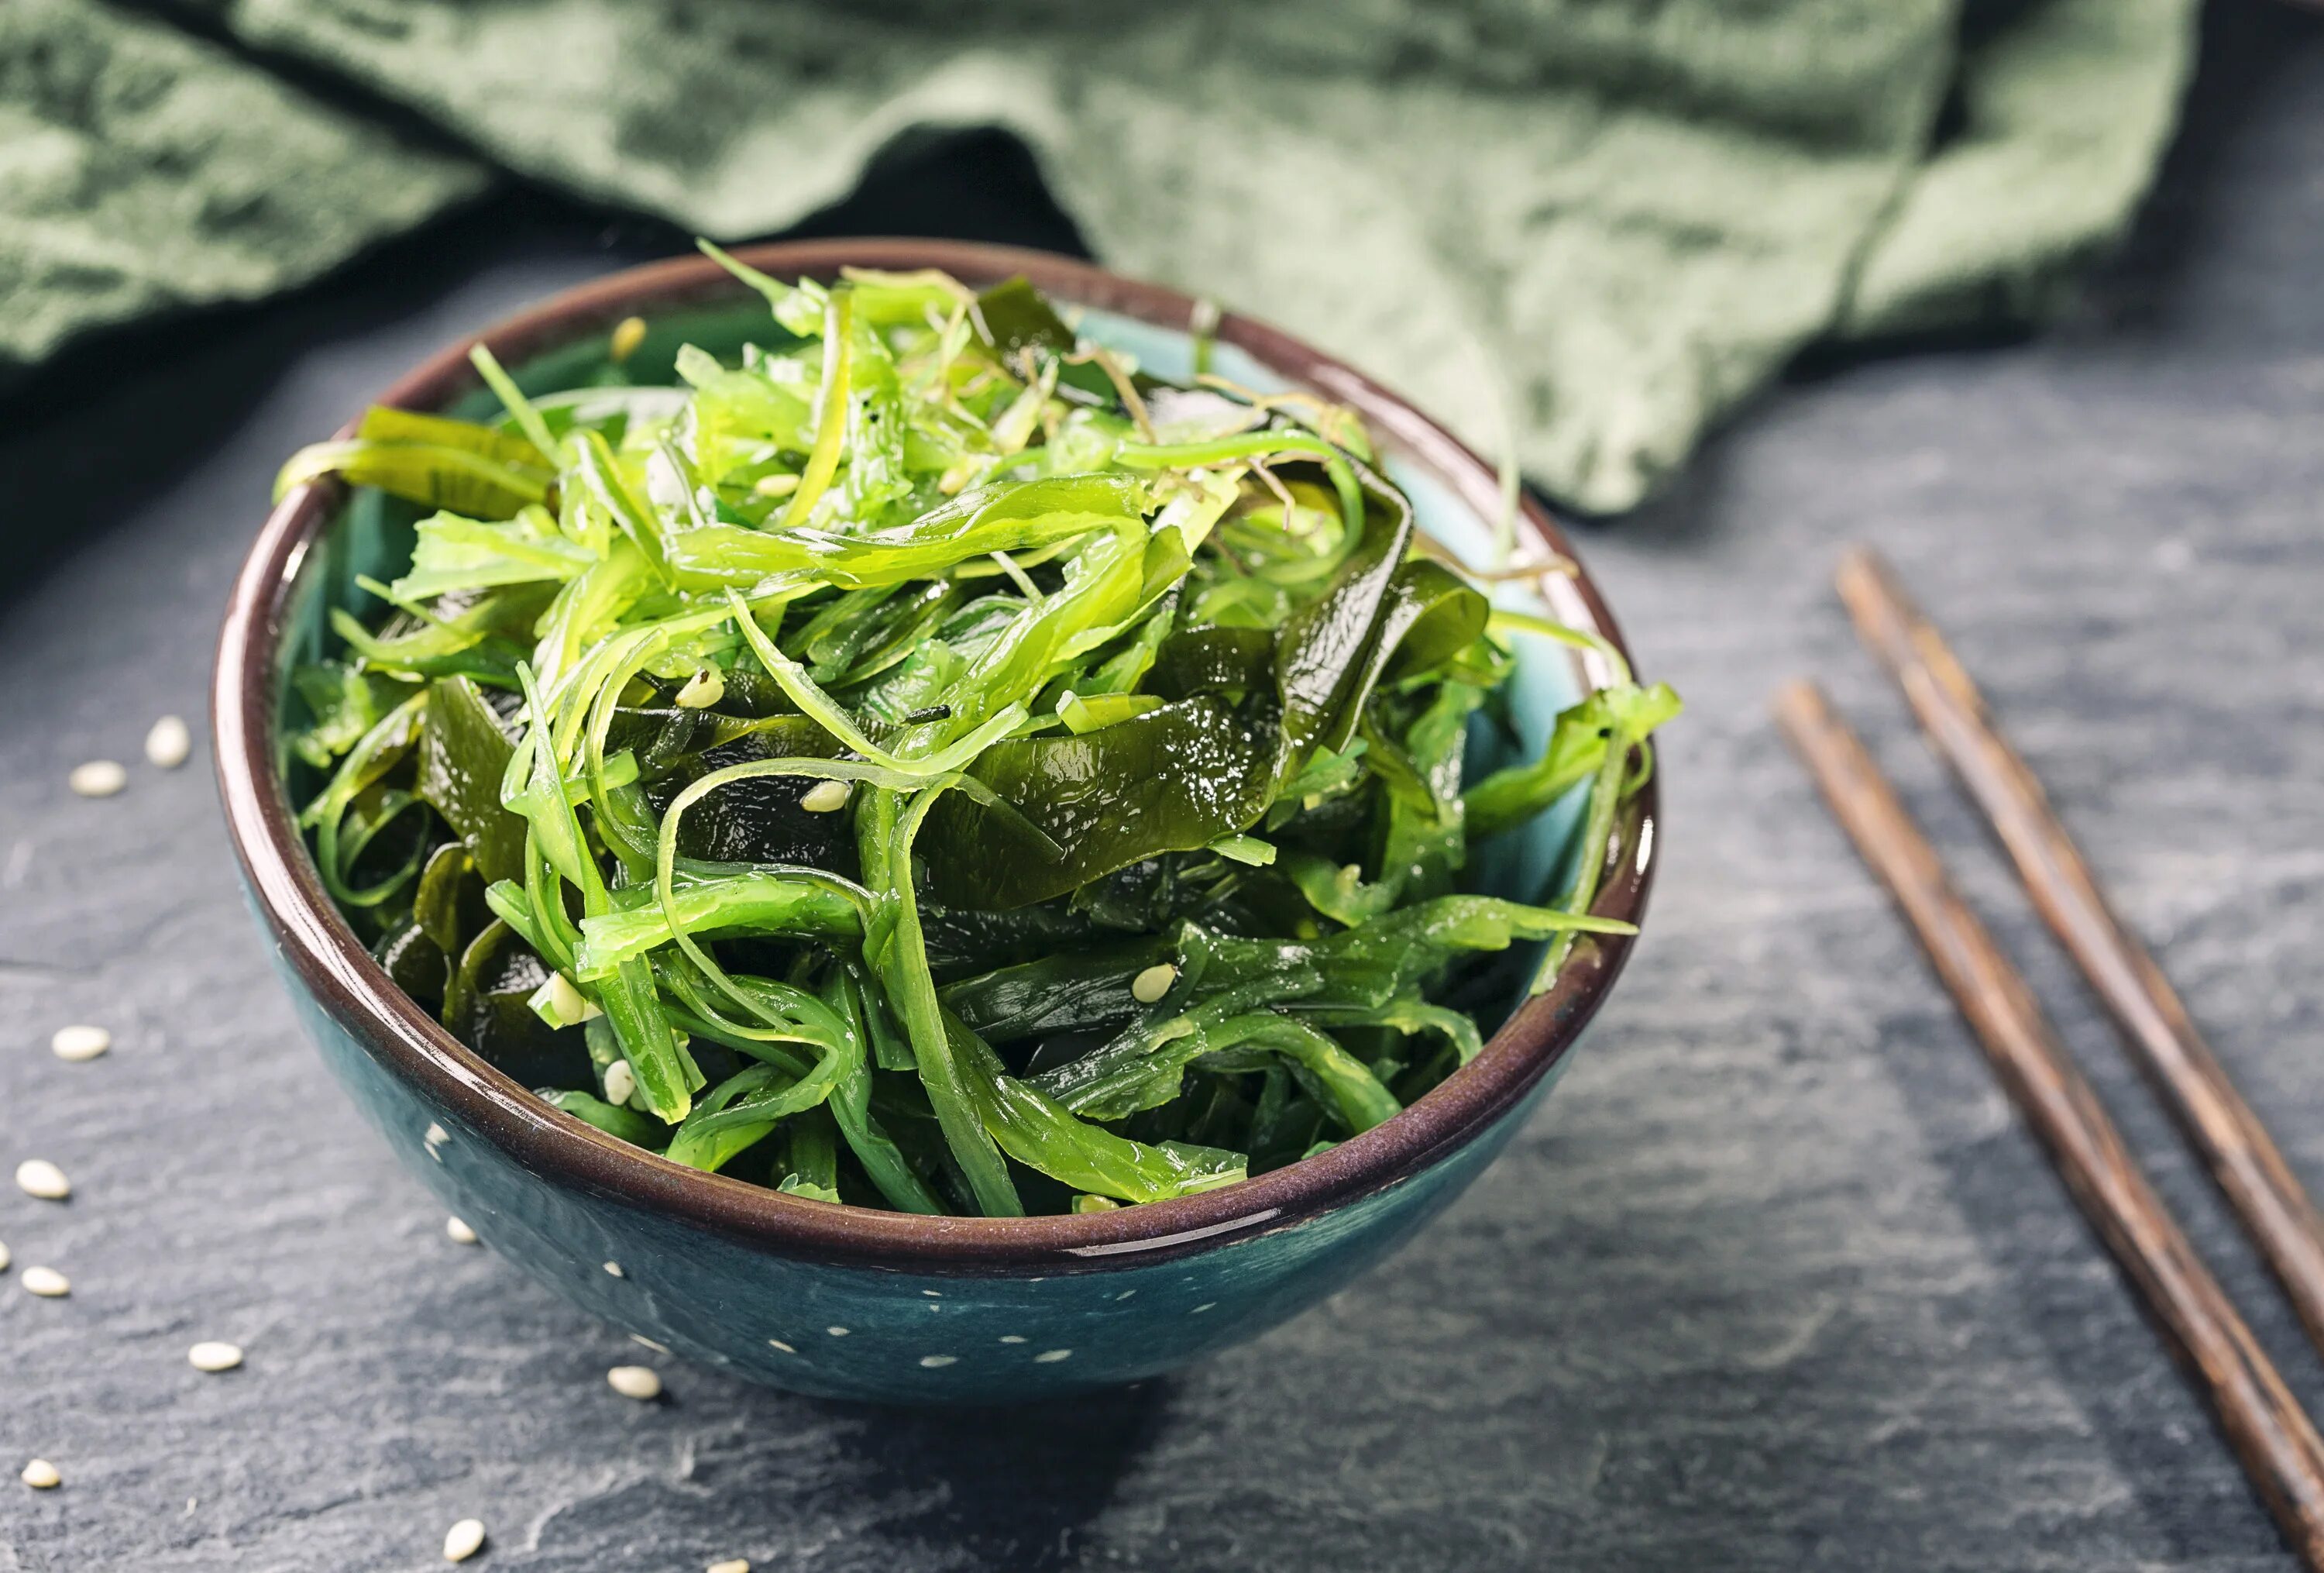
[[355, 990]]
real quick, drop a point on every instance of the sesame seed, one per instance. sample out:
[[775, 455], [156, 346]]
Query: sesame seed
[[459, 1229], [47, 1282], [1206, 1305], [41, 1476], [649, 1342], [639, 1382], [614, 1270], [99, 778], [836, 1332], [785, 1348], [825, 797], [732, 1564], [38, 1177], [78, 1044], [5, 1257], [560, 1004], [1153, 983], [777, 486], [628, 333], [933, 1361], [703, 689], [214, 1356], [1012, 1338], [1051, 1357], [169, 744], [620, 1082], [464, 1539]]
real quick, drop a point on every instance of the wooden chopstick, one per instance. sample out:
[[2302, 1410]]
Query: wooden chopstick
[[2242, 1158], [2269, 1432]]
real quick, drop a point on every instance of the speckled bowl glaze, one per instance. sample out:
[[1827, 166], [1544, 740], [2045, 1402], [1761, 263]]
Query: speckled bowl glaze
[[851, 1302]]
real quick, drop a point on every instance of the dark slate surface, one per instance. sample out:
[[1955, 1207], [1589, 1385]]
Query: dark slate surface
[[1775, 1282]]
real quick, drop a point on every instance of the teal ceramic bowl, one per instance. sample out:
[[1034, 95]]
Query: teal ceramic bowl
[[850, 1303]]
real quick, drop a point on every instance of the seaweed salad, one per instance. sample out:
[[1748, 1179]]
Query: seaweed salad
[[925, 762]]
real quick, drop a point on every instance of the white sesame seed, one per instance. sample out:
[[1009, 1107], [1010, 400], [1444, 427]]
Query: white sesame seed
[[785, 1348], [5, 1257], [1012, 1338], [703, 689], [169, 744], [1206, 1305], [214, 1356], [77, 1043], [40, 1178], [933, 1361], [1125, 1294], [637, 1382], [836, 1332], [649, 1342], [614, 1269], [47, 1282], [41, 1476], [459, 1229], [99, 778], [560, 1004], [732, 1564], [1051, 1357], [825, 797], [464, 1539], [434, 1137], [932, 1293], [628, 333], [620, 1082], [1153, 983]]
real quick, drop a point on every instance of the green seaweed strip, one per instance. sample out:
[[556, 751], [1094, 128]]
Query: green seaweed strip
[[898, 949], [627, 996], [520, 408]]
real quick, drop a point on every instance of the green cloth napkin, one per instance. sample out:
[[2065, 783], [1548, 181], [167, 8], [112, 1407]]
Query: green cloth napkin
[[1586, 228]]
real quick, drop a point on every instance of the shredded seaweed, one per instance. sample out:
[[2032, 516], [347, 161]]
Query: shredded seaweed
[[929, 763]]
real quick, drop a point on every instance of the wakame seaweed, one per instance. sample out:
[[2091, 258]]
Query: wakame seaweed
[[929, 763]]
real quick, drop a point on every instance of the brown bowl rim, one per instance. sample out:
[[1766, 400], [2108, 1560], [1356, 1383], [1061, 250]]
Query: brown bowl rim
[[328, 959]]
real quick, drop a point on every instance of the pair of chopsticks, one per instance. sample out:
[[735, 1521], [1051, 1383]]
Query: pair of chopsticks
[[2271, 1434]]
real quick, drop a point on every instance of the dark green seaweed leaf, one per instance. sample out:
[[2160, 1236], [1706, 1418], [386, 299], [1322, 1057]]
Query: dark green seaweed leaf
[[463, 756], [1172, 780]]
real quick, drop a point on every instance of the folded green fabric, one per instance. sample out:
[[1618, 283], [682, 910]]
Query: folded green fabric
[[1586, 228], [141, 171]]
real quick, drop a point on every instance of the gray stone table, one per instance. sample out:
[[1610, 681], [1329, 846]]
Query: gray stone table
[[1776, 1282]]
